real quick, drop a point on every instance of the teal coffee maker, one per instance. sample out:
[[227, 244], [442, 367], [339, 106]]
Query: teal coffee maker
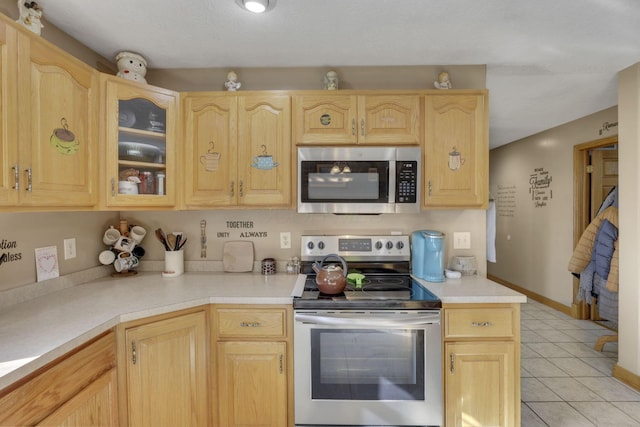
[[427, 255]]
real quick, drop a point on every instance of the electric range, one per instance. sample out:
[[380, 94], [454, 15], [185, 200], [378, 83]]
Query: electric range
[[383, 260]]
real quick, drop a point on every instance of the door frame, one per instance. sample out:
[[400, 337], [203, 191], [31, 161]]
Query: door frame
[[581, 207]]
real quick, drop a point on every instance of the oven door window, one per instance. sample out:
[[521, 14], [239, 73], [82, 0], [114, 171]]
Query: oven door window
[[357, 364], [355, 181]]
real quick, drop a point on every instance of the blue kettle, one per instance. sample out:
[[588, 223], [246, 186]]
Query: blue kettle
[[427, 255]]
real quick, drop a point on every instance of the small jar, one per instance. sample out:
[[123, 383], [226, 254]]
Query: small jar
[[147, 183], [268, 266], [160, 183]]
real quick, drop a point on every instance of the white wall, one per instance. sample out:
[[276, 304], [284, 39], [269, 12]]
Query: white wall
[[534, 243], [629, 211]]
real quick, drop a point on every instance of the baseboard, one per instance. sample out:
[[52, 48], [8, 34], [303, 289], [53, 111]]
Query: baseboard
[[534, 296], [627, 377]]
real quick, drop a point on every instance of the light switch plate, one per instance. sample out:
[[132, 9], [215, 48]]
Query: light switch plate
[[461, 240], [69, 248]]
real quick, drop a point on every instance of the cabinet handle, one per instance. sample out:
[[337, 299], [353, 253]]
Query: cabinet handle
[[430, 188], [362, 127], [29, 179], [250, 324], [451, 363], [240, 189], [16, 177], [232, 187], [481, 324], [280, 360], [134, 357], [353, 127], [113, 187]]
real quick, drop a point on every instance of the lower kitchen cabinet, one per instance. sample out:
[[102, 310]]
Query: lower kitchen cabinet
[[482, 365], [95, 405], [79, 389], [164, 370], [253, 366], [252, 384]]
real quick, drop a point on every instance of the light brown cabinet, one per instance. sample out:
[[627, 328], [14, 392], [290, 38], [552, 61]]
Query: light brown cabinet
[[164, 370], [79, 389], [140, 133], [253, 366], [237, 150], [49, 124], [482, 365], [357, 119], [456, 150]]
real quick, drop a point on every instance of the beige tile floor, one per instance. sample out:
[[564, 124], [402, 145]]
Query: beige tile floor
[[565, 382]]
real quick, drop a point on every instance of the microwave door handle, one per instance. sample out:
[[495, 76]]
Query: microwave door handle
[[373, 321]]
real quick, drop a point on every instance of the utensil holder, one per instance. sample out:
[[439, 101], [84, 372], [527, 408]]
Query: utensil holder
[[173, 263]]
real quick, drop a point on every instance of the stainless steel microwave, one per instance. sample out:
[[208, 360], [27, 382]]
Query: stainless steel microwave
[[359, 180]]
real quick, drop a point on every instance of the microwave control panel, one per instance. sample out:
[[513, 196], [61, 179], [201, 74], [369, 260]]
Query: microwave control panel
[[406, 181]]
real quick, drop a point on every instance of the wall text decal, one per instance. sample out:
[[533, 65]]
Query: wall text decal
[[540, 187], [8, 253]]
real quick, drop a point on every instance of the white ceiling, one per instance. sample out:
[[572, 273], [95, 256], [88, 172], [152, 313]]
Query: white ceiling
[[548, 61]]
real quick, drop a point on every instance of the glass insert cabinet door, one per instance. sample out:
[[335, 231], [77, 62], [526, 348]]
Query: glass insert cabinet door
[[141, 140]]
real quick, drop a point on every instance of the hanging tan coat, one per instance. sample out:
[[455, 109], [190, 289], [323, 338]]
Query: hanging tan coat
[[582, 253]]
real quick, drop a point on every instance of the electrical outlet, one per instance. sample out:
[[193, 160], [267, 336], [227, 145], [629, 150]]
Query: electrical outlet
[[461, 240], [285, 240], [69, 248]]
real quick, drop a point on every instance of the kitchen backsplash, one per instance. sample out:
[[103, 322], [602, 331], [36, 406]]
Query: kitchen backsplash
[[22, 233]]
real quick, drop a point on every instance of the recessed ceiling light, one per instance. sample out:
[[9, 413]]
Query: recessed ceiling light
[[256, 6]]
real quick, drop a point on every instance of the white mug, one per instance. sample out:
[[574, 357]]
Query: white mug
[[124, 244], [127, 263], [137, 233], [106, 257], [111, 236]]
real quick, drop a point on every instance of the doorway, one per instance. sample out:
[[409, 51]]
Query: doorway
[[595, 173]]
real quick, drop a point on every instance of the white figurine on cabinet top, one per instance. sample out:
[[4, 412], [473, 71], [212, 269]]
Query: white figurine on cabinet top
[[30, 15], [331, 81], [232, 84], [131, 66], [443, 81]]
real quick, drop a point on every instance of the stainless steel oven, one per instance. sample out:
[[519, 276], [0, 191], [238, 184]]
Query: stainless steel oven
[[370, 356]]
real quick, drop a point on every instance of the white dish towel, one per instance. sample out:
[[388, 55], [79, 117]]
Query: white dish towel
[[491, 231]]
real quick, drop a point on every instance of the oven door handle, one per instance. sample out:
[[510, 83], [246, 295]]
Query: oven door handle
[[370, 322]]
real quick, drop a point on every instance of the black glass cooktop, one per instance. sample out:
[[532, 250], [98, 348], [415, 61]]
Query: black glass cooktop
[[375, 292]]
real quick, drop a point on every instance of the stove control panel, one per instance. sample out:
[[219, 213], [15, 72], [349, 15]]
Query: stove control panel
[[357, 248]]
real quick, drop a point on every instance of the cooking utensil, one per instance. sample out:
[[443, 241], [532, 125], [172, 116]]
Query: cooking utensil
[[162, 238], [171, 241], [331, 279]]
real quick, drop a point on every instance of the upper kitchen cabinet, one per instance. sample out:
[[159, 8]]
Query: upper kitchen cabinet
[[456, 150], [140, 131], [322, 119], [237, 150], [49, 124]]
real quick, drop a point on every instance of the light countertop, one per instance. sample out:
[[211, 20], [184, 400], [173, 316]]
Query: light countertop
[[38, 331]]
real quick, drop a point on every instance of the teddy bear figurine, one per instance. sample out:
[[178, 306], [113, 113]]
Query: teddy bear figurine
[[131, 66], [30, 15]]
